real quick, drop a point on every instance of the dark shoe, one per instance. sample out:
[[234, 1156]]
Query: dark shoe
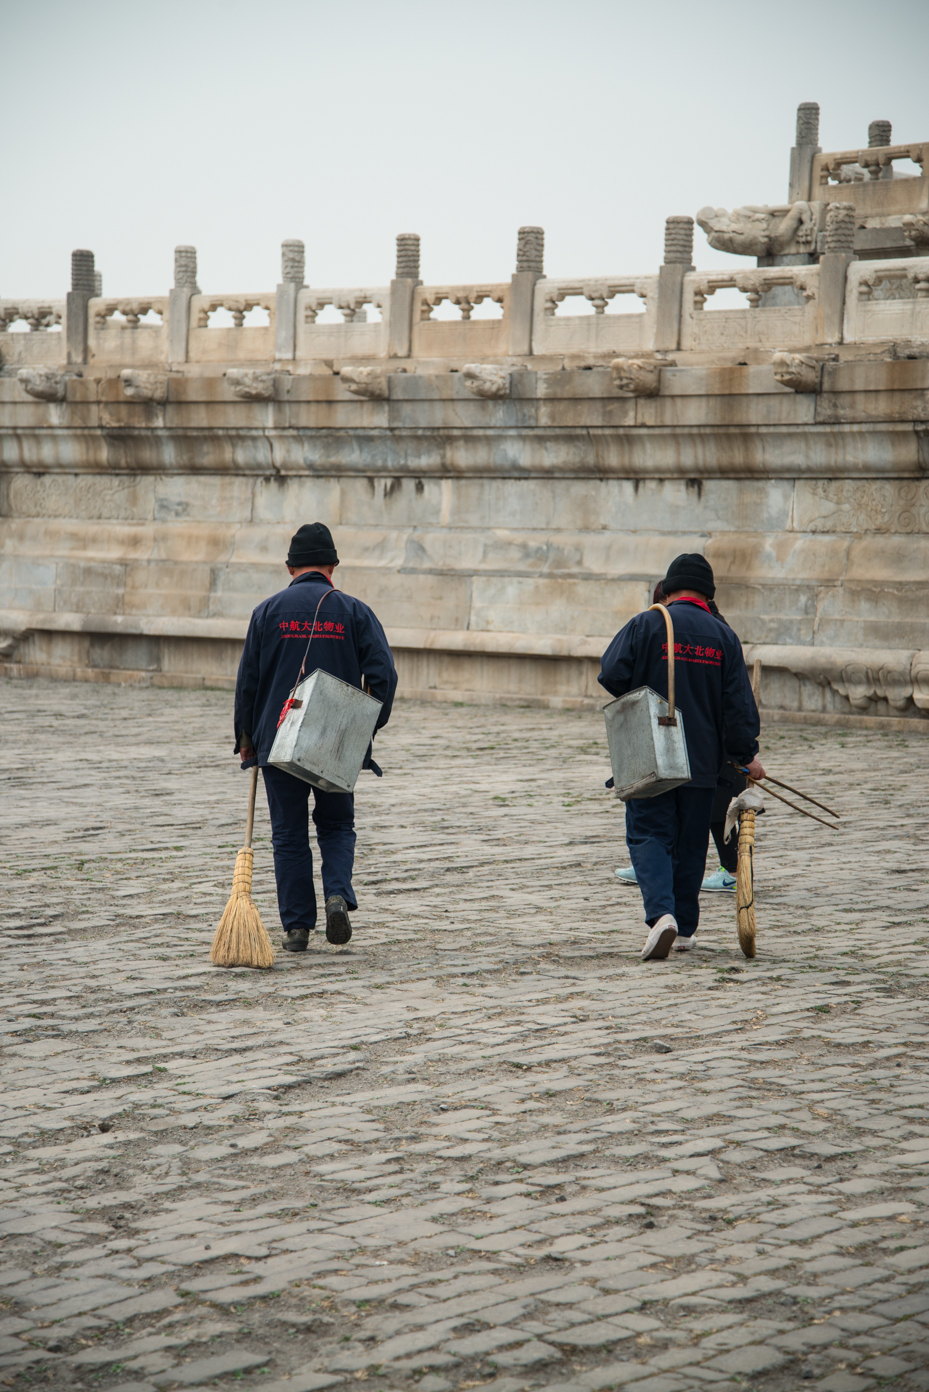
[[338, 927], [295, 940]]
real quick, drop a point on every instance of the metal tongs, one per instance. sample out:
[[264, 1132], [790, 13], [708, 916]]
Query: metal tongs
[[763, 784]]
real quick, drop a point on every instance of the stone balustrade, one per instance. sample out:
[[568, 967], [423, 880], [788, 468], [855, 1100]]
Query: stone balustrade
[[557, 330], [787, 307], [887, 300], [760, 323], [362, 333]]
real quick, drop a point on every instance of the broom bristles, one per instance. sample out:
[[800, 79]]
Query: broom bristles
[[745, 885], [241, 939]]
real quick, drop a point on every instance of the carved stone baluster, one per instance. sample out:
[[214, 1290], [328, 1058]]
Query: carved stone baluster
[[465, 304], [310, 311], [426, 307]]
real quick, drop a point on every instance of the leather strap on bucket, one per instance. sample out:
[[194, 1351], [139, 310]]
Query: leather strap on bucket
[[670, 718]]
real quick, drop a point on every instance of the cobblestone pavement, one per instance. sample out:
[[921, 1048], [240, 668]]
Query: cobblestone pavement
[[484, 1144]]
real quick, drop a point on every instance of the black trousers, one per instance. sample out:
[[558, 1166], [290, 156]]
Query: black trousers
[[334, 821]]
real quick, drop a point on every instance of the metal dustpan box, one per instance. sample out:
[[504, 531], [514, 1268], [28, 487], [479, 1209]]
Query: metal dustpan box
[[647, 758], [325, 733], [645, 733]]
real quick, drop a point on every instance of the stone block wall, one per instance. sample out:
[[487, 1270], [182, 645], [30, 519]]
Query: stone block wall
[[502, 541]]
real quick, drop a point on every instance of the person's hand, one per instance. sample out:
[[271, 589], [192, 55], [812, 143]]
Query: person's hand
[[755, 770], [246, 752]]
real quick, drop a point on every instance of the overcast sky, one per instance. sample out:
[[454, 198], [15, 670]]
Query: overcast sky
[[232, 125]]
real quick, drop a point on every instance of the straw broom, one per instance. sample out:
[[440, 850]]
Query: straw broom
[[241, 940], [744, 875], [745, 884]]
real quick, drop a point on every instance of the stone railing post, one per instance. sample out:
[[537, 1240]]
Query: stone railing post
[[838, 254], [81, 293], [185, 287], [293, 269], [678, 258], [400, 325], [801, 156], [530, 252]]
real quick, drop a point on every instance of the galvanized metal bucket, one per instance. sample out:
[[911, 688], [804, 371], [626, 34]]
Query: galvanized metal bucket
[[648, 749], [325, 732]]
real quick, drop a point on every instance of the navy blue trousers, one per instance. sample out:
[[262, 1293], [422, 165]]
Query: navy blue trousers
[[334, 820], [667, 839]]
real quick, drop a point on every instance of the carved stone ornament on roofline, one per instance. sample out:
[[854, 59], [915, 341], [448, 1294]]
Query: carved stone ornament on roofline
[[249, 385], [483, 379], [369, 382], [638, 376], [45, 383], [798, 371], [144, 386], [759, 230], [916, 229]]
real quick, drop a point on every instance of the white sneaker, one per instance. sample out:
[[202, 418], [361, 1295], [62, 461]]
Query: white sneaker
[[660, 938], [626, 874], [685, 944]]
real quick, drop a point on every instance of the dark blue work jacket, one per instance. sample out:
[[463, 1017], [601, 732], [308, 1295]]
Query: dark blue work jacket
[[348, 642], [711, 686]]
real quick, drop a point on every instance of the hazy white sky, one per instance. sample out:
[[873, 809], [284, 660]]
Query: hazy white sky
[[233, 124]]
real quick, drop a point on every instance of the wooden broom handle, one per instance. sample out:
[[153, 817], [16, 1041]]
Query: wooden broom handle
[[249, 825], [669, 719]]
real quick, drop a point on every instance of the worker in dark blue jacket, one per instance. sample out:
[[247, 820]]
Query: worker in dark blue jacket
[[349, 643], [667, 834]]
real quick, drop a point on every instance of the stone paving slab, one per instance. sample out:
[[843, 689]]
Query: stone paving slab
[[483, 1145]]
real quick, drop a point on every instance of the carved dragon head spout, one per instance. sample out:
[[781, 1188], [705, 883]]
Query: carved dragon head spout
[[758, 230]]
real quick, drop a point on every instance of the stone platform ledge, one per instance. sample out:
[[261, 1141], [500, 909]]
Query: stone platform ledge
[[20, 622], [839, 720], [115, 676], [863, 676]]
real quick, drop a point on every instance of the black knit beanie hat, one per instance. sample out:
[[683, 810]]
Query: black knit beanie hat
[[312, 546], [690, 572]]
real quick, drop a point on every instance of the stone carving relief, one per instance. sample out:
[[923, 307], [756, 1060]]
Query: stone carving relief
[[249, 385], [144, 386], [839, 235], [862, 506], [44, 383], [638, 376], [798, 371], [482, 379], [863, 683], [916, 229], [759, 230], [863, 678], [919, 673], [369, 382]]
